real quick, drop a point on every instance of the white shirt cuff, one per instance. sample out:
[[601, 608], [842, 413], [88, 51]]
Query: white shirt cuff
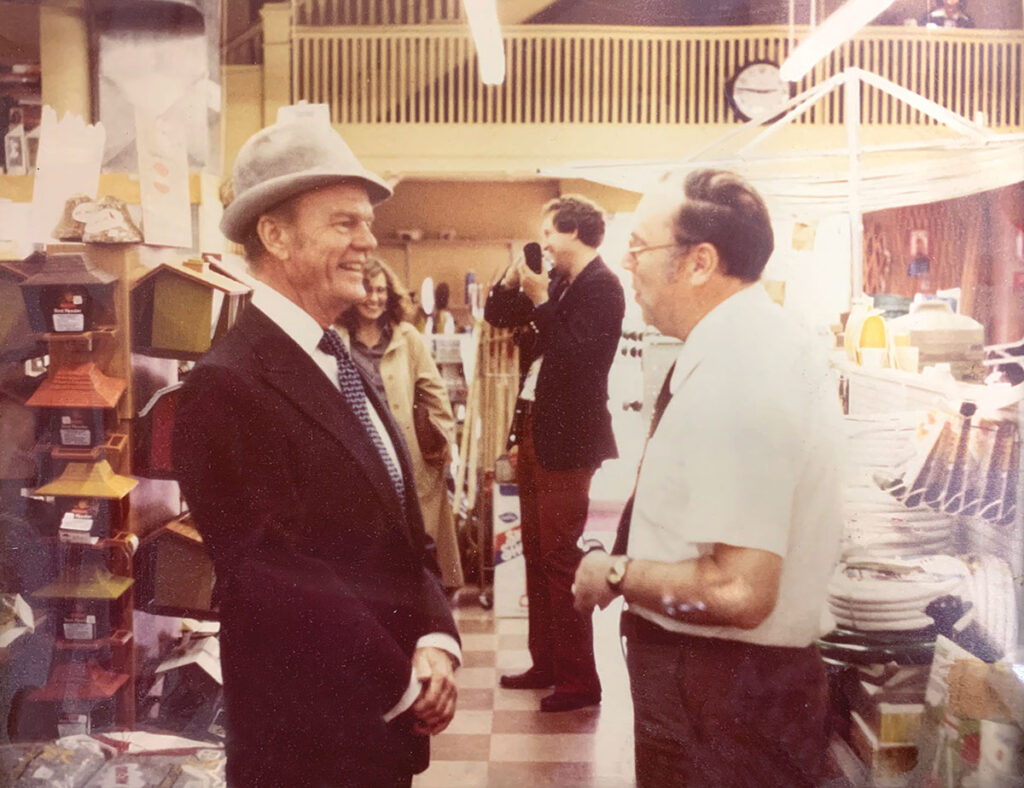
[[437, 640]]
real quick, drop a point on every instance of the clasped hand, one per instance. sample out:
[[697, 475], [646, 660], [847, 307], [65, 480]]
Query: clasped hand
[[591, 587], [435, 706]]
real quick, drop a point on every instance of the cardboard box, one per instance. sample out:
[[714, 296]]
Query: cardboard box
[[973, 691], [888, 763], [509, 564], [894, 723]]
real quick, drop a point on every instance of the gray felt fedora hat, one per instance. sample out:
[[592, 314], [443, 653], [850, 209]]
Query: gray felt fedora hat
[[288, 159]]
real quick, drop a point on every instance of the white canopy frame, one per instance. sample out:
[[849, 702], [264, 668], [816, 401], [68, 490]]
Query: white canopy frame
[[971, 160]]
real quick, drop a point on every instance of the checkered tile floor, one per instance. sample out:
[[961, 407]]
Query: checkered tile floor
[[500, 738]]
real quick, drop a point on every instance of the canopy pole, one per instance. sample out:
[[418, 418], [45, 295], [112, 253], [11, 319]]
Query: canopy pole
[[851, 106]]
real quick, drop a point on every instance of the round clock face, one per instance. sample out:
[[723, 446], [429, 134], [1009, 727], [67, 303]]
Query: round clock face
[[757, 89]]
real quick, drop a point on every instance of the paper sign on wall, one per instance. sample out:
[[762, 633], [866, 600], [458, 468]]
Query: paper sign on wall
[[68, 163], [163, 176]]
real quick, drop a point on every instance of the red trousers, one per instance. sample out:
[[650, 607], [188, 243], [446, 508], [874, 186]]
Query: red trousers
[[553, 507]]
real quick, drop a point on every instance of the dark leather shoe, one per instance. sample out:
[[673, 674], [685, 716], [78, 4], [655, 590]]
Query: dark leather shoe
[[568, 701], [531, 679]]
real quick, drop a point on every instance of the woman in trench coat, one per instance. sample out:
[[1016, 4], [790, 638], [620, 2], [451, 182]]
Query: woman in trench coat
[[393, 358]]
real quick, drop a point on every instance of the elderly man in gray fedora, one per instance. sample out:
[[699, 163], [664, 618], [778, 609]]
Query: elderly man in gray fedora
[[337, 642]]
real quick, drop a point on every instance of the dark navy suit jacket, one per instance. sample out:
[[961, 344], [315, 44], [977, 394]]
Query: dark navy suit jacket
[[577, 331], [325, 579]]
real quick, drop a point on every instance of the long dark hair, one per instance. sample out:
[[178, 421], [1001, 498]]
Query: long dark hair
[[399, 305]]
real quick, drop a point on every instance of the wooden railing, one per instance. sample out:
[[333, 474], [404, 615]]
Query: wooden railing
[[660, 76], [377, 12]]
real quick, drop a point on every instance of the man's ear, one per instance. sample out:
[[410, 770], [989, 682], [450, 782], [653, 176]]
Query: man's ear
[[703, 263], [275, 235]]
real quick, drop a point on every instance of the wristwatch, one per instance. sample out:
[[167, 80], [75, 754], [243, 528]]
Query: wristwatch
[[617, 573]]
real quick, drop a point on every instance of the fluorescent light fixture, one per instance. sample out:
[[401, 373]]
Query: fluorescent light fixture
[[490, 49], [840, 26]]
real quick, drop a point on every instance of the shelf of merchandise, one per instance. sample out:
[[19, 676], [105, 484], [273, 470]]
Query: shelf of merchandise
[[109, 347]]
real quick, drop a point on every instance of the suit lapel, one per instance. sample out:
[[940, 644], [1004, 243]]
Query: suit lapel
[[580, 283], [293, 374]]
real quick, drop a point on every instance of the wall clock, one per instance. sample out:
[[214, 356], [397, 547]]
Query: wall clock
[[756, 89]]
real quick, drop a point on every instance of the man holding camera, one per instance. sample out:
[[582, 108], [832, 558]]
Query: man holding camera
[[573, 319]]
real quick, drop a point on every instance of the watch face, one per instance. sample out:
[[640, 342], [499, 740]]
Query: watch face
[[757, 89]]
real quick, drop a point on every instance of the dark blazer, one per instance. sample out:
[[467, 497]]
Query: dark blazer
[[325, 579], [577, 331]]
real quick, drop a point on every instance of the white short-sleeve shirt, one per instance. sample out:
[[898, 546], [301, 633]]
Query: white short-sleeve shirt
[[747, 454]]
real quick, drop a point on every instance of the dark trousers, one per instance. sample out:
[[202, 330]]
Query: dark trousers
[[553, 507], [710, 712]]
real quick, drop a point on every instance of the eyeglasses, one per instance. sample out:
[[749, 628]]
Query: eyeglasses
[[634, 252]]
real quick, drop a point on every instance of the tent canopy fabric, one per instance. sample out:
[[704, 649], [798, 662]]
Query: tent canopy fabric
[[814, 183]]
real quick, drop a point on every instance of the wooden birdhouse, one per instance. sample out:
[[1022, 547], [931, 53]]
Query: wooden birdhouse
[[68, 295], [154, 426], [77, 410], [175, 574], [180, 309]]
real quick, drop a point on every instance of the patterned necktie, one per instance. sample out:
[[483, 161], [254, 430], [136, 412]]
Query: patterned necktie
[[622, 534], [351, 385]]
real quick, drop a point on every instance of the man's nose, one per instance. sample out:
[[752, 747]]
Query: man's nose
[[364, 237]]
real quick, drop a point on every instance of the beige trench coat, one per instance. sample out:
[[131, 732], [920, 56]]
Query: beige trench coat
[[406, 367]]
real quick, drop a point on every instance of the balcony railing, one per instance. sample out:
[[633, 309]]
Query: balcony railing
[[377, 12], [657, 76]]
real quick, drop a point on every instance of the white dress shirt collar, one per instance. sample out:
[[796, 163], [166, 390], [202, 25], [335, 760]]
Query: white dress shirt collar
[[714, 330], [296, 322]]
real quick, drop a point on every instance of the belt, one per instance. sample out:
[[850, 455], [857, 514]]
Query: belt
[[640, 630]]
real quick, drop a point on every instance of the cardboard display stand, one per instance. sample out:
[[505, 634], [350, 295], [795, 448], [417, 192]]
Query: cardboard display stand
[[509, 564]]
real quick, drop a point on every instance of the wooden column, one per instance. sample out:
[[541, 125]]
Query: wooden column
[[64, 57], [277, 59]]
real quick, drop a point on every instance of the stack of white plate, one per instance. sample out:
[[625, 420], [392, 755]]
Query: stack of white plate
[[877, 525], [891, 595], [995, 605], [880, 442]]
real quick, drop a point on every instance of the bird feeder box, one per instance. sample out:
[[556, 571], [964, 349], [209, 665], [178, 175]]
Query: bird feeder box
[[99, 585], [92, 500], [17, 340], [180, 309], [69, 296], [89, 480], [78, 405], [82, 681]]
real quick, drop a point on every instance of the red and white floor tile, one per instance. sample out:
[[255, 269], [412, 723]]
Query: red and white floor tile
[[500, 737]]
